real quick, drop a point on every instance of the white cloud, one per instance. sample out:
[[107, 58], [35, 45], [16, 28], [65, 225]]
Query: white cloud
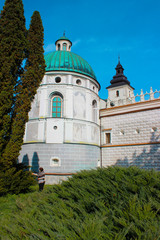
[[76, 42], [49, 48]]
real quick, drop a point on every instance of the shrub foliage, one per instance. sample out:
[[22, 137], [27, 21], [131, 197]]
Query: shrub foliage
[[104, 204]]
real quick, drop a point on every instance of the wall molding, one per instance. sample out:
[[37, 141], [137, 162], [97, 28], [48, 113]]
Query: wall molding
[[60, 174], [128, 144], [133, 111]]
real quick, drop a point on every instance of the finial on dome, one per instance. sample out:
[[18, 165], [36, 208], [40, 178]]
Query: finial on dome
[[118, 58], [64, 33]]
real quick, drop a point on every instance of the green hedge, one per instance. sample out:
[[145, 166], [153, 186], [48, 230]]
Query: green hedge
[[109, 203]]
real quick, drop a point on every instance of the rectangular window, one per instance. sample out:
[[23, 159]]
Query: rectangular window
[[108, 138]]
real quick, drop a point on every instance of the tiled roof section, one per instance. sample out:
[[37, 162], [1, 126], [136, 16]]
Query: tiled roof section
[[68, 61], [119, 79], [63, 38]]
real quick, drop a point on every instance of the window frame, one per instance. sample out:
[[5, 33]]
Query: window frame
[[52, 162], [105, 132], [56, 112], [107, 137], [117, 93], [94, 111]]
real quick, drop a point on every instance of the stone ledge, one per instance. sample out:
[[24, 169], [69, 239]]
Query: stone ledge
[[129, 144]]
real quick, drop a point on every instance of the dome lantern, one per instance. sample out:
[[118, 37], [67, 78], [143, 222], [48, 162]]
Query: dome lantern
[[64, 60], [63, 44]]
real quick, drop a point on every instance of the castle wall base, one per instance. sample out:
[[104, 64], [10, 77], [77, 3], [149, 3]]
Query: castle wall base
[[62, 159], [144, 156]]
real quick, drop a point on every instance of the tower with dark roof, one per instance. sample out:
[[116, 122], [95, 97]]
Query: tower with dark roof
[[120, 88]]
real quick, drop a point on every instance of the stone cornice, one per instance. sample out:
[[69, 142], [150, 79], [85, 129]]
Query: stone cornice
[[60, 174], [129, 144], [130, 108]]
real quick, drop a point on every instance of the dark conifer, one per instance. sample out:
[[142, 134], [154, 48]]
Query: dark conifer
[[35, 65], [12, 46], [31, 78], [18, 88]]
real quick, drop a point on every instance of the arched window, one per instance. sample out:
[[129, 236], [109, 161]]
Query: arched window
[[94, 110], [58, 47], [56, 106], [64, 46]]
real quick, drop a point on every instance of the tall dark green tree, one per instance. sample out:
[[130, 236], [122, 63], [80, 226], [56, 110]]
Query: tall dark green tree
[[18, 87], [30, 81], [12, 53]]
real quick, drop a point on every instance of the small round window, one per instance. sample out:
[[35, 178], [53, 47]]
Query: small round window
[[57, 79], [78, 82]]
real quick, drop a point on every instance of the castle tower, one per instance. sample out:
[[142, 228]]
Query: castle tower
[[62, 134], [120, 88]]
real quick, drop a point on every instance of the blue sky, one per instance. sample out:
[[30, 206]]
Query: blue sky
[[101, 30]]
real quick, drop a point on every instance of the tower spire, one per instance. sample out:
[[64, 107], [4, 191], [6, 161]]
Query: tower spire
[[118, 58], [119, 79]]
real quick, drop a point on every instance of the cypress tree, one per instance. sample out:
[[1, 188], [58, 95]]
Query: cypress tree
[[31, 78], [35, 64], [12, 53], [17, 89]]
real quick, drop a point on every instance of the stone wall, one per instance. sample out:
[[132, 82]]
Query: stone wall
[[132, 128], [144, 156], [135, 135], [60, 158]]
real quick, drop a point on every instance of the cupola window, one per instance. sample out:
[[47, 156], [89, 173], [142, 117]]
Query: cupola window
[[64, 46], [56, 106], [58, 47]]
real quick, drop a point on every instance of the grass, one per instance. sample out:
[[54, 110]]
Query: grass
[[109, 203]]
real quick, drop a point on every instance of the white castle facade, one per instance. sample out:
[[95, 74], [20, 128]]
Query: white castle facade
[[70, 128]]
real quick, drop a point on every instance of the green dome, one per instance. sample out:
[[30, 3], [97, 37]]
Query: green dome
[[68, 61]]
